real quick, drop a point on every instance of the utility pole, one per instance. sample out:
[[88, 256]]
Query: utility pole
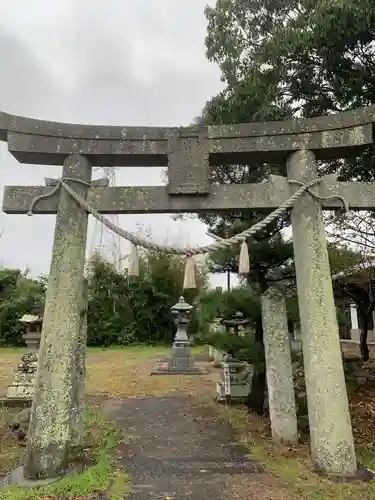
[[217, 238]]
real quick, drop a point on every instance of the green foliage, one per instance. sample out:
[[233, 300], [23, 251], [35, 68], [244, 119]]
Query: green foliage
[[246, 300], [341, 258], [245, 98], [242, 348], [124, 310], [121, 310], [19, 295], [216, 303], [284, 58]]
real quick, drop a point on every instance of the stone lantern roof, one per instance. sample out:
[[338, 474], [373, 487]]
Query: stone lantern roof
[[31, 318]]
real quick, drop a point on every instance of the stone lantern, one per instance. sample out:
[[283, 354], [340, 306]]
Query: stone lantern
[[21, 391], [237, 323], [180, 361], [181, 312], [217, 323], [33, 330]]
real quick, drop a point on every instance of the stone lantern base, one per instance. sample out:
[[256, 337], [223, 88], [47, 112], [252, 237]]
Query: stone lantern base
[[180, 362], [21, 390]]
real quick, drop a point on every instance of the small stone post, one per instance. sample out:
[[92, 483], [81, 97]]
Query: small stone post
[[51, 422], [279, 371], [332, 446], [79, 374]]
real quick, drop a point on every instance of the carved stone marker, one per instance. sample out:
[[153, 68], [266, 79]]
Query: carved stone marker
[[78, 147], [279, 370]]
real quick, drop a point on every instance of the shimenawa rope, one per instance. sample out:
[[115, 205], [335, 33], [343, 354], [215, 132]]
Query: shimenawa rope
[[189, 252]]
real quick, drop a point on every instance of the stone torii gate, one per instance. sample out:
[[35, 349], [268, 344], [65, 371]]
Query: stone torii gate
[[188, 154]]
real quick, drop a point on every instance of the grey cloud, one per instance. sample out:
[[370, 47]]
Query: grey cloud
[[23, 79], [120, 62]]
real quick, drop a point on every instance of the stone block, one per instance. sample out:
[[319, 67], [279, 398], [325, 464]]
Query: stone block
[[188, 165]]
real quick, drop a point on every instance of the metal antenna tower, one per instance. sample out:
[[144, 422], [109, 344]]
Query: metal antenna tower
[[105, 242]]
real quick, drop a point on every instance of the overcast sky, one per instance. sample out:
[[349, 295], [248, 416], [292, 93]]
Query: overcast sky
[[113, 63]]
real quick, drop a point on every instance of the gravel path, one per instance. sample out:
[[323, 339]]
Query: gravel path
[[178, 449]]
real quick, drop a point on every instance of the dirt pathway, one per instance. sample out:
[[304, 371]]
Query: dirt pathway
[[177, 449]]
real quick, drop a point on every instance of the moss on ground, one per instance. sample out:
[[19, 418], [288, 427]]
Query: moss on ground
[[291, 466], [124, 372], [102, 438]]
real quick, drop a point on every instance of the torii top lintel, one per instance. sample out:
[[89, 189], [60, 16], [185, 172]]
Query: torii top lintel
[[188, 152], [48, 143]]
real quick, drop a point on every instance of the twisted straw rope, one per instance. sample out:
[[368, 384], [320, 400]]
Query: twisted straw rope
[[189, 251]]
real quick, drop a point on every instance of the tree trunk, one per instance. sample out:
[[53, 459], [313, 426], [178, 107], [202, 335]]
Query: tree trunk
[[256, 397], [365, 353], [257, 394]]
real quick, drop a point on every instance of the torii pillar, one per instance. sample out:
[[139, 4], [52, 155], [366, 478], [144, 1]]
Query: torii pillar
[[332, 445], [51, 416]]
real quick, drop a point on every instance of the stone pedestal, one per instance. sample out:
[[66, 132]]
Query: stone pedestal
[[21, 392], [233, 386], [218, 356], [23, 385]]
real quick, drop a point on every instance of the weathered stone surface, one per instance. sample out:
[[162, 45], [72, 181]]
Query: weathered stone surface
[[51, 422], [18, 478], [272, 147], [15, 402], [155, 199], [360, 116], [281, 398], [121, 152], [43, 142], [188, 165], [20, 425], [79, 373], [24, 125], [40, 142], [332, 445]]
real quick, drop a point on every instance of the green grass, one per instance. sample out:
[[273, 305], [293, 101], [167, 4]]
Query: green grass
[[292, 466], [124, 372], [147, 350], [103, 438]]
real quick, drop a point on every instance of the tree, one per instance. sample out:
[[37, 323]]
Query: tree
[[294, 59], [124, 310], [356, 281], [319, 53], [268, 250], [19, 295], [279, 60]]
